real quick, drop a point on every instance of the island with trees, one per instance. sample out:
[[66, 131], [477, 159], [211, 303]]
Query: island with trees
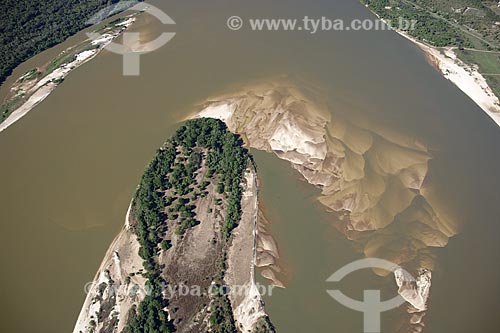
[[167, 271]]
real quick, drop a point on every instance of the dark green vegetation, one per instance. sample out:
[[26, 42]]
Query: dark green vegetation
[[221, 320], [167, 191], [149, 317], [427, 27], [476, 16], [264, 325], [472, 26], [21, 90], [7, 108], [461, 23], [28, 27]]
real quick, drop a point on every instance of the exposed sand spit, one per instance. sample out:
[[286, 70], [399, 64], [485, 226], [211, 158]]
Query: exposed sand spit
[[466, 77], [371, 177], [267, 253], [246, 300], [117, 286], [34, 91]]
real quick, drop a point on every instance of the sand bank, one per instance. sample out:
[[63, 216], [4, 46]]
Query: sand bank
[[117, 286], [248, 306], [466, 77], [35, 92], [370, 177]]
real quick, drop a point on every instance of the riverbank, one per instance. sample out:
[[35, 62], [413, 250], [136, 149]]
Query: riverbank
[[465, 76], [248, 306], [35, 85], [117, 275]]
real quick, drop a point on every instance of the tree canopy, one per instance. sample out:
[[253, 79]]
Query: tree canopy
[[28, 27]]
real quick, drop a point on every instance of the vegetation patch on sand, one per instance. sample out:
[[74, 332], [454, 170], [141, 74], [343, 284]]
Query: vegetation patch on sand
[[32, 26], [193, 215], [37, 83]]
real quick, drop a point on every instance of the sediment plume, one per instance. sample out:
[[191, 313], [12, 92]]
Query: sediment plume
[[372, 179]]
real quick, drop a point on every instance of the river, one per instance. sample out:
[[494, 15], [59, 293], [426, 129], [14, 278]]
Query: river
[[70, 166]]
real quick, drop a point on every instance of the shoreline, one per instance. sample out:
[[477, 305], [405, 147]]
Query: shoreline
[[34, 91], [112, 264], [248, 312], [464, 76], [248, 308]]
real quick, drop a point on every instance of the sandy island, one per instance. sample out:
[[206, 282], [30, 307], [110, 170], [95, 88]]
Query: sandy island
[[37, 91], [118, 274]]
